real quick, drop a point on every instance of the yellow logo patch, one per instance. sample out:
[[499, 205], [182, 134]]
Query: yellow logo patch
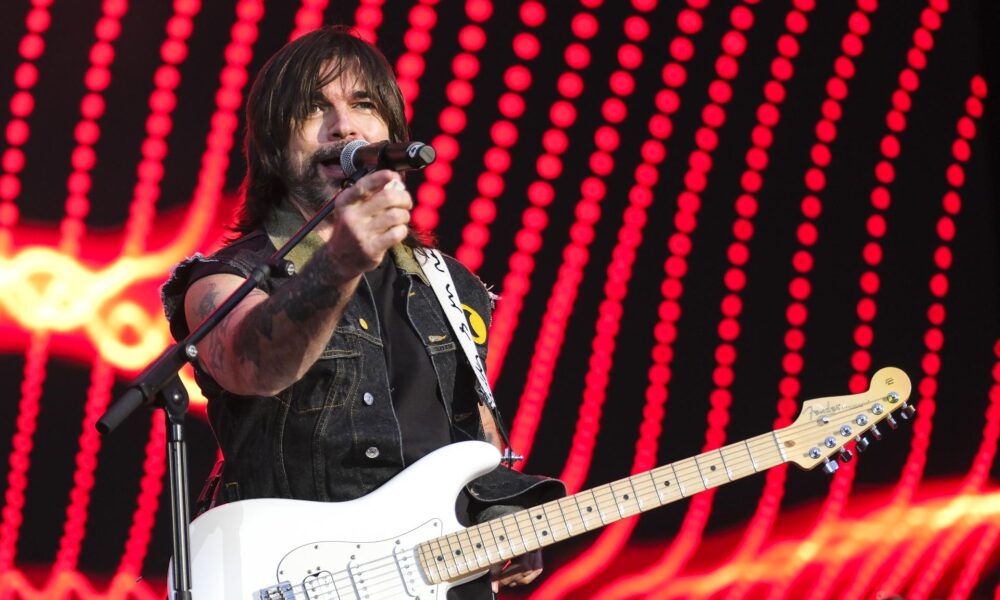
[[477, 323]]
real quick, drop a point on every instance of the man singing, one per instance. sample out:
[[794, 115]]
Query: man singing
[[324, 385]]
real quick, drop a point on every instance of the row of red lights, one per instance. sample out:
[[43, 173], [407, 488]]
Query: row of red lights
[[22, 104], [410, 65], [869, 281], [796, 314], [211, 178], [368, 18], [452, 119], [930, 364], [588, 563], [534, 219], [504, 134], [575, 254], [309, 17], [695, 180]]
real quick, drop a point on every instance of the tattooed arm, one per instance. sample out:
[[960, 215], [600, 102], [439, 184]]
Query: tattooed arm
[[269, 341]]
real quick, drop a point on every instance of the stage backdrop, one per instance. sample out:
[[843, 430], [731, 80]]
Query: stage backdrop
[[697, 214]]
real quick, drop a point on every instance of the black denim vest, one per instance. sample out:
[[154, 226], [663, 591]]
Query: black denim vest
[[333, 435]]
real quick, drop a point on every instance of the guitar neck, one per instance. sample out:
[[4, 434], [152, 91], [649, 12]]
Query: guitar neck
[[469, 551]]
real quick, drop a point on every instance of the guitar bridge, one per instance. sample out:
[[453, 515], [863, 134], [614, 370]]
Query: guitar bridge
[[282, 591]]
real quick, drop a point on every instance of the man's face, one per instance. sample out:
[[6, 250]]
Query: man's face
[[342, 112]]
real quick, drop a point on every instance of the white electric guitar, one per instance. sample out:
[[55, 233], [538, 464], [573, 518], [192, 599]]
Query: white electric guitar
[[403, 540]]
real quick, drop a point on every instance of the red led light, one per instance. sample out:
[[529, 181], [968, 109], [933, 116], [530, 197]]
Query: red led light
[[526, 46], [689, 21], [532, 13]]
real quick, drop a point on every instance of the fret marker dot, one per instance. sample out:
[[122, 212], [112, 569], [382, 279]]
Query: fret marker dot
[[440, 558], [545, 533], [502, 538], [458, 552], [589, 509], [539, 517], [713, 467], [479, 546], [666, 483], [625, 496]]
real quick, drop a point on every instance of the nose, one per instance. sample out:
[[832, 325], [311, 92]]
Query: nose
[[340, 125]]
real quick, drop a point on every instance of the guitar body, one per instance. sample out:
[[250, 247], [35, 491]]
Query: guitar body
[[285, 549]]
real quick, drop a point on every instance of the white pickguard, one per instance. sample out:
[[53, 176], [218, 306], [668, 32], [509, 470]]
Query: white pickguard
[[337, 550]]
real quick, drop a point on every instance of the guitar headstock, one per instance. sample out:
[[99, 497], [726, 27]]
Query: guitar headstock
[[826, 425]]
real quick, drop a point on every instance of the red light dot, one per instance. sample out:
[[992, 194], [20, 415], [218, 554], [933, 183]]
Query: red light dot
[[939, 285], [951, 202], [742, 229], [836, 88], [636, 28], [896, 121], [796, 314], [820, 155], [826, 131], [811, 207], [540, 193], [660, 126], [13, 160], [746, 206], [689, 21], [852, 45], [532, 13], [885, 172], [606, 138], [890, 146], [667, 101], [734, 43], [720, 92], [511, 105], [517, 78], [646, 175], [423, 17], [465, 65], [689, 202], [653, 152], [735, 279], [497, 160], [876, 226], [792, 363], [844, 67], [916, 59], [762, 136], [535, 218], [87, 132], [789, 388], [526, 46], [815, 179], [695, 181], [412, 65], [729, 329], [577, 56], [584, 26], [967, 128], [866, 309], [706, 139], [807, 234], [757, 159], [555, 141], [31, 46], [621, 83], [831, 110], [788, 46], [601, 163], [931, 19], [22, 104], [562, 114], [10, 188], [741, 18], [17, 132], [483, 210], [503, 134], [869, 283], [681, 49], [872, 253], [674, 75], [796, 22], [936, 314], [570, 85], [479, 10], [472, 38], [417, 40], [909, 80], [629, 56], [946, 229], [973, 106], [751, 181], [26, 76], [83, 158], [97, 78], [768, 114], [901, 100], [527, 241], [593, 188], [861, 360], [863, 336], [725, 354], [459, 92], [978, 86], [931, 364], [738, 254], [452, 120], [859, 23], [727, 67], [880, 198], [956, 176]]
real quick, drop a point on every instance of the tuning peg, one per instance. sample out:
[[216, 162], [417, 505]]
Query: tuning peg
[[908, 411], [861, 443], [891, 421], [846, 455], [876, 433], [830, 466]]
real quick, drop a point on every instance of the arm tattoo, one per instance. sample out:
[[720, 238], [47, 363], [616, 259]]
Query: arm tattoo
[[300, 301]]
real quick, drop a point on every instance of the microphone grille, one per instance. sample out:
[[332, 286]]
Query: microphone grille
[[347, 156]]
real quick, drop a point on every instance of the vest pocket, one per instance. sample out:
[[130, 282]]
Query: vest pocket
[[330, 381]]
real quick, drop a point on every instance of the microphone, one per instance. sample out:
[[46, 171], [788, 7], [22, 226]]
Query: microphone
[[403, 156]]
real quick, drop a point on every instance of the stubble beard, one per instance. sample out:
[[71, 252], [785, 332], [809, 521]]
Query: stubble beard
[[308, 185]]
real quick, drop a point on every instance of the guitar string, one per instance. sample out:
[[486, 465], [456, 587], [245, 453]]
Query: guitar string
[[683, 469]]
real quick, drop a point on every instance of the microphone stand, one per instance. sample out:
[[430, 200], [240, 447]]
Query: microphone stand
[[159, 385]]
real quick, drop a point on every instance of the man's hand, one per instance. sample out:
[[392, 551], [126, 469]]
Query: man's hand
[[521, 570], [369, 218]]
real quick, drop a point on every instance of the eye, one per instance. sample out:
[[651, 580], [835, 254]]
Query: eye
[[364, 105]]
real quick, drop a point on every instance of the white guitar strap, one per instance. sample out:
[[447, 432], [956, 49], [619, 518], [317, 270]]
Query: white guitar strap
[[432, 263]]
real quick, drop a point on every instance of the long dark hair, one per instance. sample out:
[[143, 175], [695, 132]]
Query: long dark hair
[[281, 97]]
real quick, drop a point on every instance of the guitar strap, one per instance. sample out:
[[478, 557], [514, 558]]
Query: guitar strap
[[432, 263]]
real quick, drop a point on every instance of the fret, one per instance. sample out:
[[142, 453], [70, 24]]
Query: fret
[[527, 528], [460, 553], [657, 489], [481, 545], [445, 557], [635, 493], [472, 551], [764, 452], [561, 529], [589, 511], [427, 562], [690, 478], [624, 498], [677, 481], [777, 443], [541, 526], [570, 508], [514, 535], [722, 457], [710, 470], [753, 461], [606, 505], [666, 485], [504, 548]]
